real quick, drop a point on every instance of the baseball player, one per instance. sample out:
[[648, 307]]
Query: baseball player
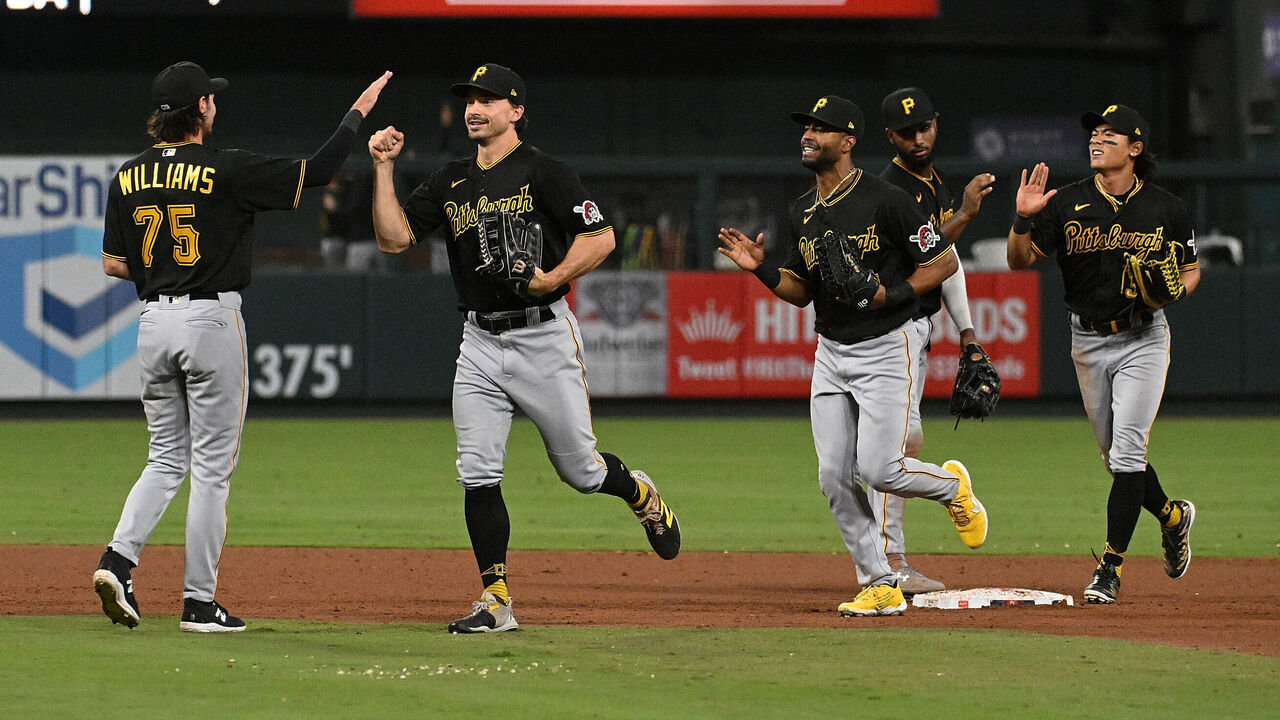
[[1119, 342], [911, 126], [519, 349], [179, 224], [864, 366]]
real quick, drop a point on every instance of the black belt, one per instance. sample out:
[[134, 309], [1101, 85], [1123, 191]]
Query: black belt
[[1111, 327], [193, 296], [500, 322]]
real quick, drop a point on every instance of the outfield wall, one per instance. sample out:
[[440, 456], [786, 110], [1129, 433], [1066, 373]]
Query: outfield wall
[[66, 332]]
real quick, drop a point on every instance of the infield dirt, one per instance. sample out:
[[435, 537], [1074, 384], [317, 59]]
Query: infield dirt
[[1221, 604]]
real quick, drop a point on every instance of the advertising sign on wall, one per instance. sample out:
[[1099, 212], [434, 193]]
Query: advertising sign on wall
[[624, 329], [730, 337], [66, 329], [1005, 308]]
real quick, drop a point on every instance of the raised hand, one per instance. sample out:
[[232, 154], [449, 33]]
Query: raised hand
[[979, 187], [369, 97], [1031, 191], [746, 253]]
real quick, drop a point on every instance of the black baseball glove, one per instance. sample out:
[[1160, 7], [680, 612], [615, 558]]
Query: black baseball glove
[[842, 271], [509, 247], [1157, 282], [977, 388]]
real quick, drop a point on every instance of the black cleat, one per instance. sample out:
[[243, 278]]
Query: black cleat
[[487, 615], [1105, 586], [1176, 541], [114, 585], [207, 617], [660, 524]]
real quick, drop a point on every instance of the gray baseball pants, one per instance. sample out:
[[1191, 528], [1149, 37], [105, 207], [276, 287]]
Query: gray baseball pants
[[193, 356], [1122, 382], [540, 369], [860, 407]]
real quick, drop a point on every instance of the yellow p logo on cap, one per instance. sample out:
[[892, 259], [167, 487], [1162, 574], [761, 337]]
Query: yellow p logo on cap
[[907, 104], [479, 71], [821, 104]]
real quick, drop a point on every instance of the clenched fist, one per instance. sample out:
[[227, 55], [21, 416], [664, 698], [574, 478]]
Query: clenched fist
[[385, 145]]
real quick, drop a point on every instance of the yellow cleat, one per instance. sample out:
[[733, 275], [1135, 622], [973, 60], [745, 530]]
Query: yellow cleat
[[876, 600], [967, 513]]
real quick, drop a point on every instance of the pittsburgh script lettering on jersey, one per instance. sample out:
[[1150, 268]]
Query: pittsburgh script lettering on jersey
[[864, 243], [464, 217], [1081, 239], [178, 176]]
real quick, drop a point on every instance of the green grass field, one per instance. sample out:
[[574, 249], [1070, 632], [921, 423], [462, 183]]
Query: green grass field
[[740, 484], [63, 667], [390, 483]]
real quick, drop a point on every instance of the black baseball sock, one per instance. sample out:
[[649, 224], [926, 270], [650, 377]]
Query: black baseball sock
[[1155, 500], [1124, 505], [489, 526], [618, 481]]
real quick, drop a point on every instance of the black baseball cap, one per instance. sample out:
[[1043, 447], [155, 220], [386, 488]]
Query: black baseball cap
[[183, 84], [833, 111], [1122, 118], [496, 79], [905, 107]]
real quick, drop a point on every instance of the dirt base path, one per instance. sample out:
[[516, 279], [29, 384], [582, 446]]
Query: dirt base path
[[1220, 604]]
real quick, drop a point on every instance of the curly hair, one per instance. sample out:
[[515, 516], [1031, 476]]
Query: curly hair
[[175, 125]]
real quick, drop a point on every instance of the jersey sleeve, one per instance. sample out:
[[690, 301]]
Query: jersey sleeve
[[424, 210], [264, 182], [1046, 229], [322, 165], [905, 222], [112, 239], [563, 197]]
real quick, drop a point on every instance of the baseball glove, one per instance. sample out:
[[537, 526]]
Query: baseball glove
[[977, 388], [843, 273], [1155, 281], [509, 247]]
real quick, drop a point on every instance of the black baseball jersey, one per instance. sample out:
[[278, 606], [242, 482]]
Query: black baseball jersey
[[935, 199], [526, 183], [893, 236], [181, 215], [1091, 231]]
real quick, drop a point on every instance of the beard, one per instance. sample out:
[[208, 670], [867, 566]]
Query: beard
[[822, 160], [914, 163]]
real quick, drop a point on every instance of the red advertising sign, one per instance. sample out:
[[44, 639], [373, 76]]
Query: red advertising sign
[[646, 8], [730, 337], [1005, 307]]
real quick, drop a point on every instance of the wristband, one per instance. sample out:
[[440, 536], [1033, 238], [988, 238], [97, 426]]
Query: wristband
[[769, 275], [352, 120], [898, 294], [1021, 225]]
